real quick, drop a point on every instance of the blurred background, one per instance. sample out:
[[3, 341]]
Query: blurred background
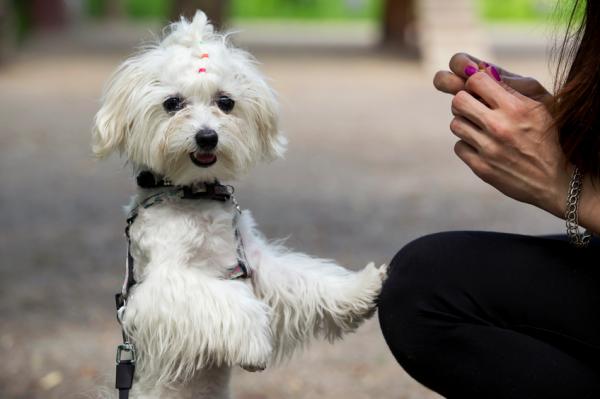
[[370, 166]]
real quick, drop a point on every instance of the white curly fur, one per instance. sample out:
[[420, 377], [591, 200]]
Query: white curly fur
[[191, 324]]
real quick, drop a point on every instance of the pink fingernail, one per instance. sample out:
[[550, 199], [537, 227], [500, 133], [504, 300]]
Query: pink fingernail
[[470, 70], [495, 73]]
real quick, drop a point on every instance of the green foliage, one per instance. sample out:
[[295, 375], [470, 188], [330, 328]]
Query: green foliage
[[307, 9], [153, 9], [95, 8], [490, 10], [525, 10], [137, 9], [23, 22]]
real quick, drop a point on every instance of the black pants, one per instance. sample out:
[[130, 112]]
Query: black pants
[[490, 315]]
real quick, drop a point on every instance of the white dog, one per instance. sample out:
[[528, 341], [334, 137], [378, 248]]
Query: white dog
[[207, 292]]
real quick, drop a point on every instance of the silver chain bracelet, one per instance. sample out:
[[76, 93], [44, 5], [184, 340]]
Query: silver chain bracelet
[[576, 237]]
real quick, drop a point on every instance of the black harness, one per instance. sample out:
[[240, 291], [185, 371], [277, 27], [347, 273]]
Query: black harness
[[126, 354]]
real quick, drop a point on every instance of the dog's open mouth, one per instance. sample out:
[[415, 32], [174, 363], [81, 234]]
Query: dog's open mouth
[[203, 159]]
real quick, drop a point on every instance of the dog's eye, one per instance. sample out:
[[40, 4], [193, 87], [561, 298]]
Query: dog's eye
[[225, 104], [173, 104]]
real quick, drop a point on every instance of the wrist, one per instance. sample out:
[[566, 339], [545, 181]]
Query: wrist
[[555, 200]]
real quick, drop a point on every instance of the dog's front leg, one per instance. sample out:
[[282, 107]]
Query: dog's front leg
[[309, 296], [314, 296], [181, 320]]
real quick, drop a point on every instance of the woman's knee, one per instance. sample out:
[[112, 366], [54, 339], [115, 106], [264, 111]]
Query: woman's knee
[[416, 274], [419, 264]]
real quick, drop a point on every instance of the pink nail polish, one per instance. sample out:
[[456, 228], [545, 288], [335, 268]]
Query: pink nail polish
[[470, 70], [495, 73]]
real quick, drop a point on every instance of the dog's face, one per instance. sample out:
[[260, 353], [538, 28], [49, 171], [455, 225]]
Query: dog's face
[[190, 109]]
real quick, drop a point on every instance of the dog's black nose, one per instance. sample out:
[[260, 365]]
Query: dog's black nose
[[207, 139]]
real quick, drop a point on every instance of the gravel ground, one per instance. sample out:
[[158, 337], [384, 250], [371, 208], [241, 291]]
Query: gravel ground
[[370, 167]]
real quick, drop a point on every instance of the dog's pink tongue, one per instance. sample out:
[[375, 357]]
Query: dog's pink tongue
[[204, 158]]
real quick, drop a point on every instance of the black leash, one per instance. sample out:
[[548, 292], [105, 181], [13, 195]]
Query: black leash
[[126, 353]]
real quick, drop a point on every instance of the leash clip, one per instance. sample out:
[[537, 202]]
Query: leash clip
[[125, 369], [126, 347]]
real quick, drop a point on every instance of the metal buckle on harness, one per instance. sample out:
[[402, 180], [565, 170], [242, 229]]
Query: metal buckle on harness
[[126, 347], [125, 369]]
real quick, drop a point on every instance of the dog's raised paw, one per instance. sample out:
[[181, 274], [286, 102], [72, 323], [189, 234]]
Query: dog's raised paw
[[253, 367], [383, 271]]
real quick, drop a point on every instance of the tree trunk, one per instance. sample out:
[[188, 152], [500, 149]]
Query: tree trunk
[[8, 31], [216, 10], [114, 9], [398, 23], [48, 14]]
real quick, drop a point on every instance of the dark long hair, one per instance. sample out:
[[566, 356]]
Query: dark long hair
[[577, 98]]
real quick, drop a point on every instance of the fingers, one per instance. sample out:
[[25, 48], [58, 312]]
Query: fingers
[[466, 152], [464, 104], [469, 133], [460, 61], [523, 85], [447, 82], [489, 89], [453, 82], [503, 72], [471, 157], [462, 66], [530, 88]]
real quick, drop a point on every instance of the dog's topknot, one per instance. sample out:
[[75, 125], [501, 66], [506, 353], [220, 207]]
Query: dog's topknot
[[190, 33]]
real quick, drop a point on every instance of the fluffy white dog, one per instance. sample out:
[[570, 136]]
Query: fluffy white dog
[[207, 291]]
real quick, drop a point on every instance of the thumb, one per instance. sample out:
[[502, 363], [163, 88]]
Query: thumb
[[530, 88], [512, 90], [508, 83]]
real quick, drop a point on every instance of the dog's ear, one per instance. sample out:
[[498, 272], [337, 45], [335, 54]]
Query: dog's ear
[[113, 120], [266, 114], [268, 123]]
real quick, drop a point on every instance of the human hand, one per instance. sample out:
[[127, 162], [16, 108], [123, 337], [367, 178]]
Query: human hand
[[509, 141], [463, 65]]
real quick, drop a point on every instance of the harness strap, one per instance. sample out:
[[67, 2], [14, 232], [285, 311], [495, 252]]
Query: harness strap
[[212, 191]]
